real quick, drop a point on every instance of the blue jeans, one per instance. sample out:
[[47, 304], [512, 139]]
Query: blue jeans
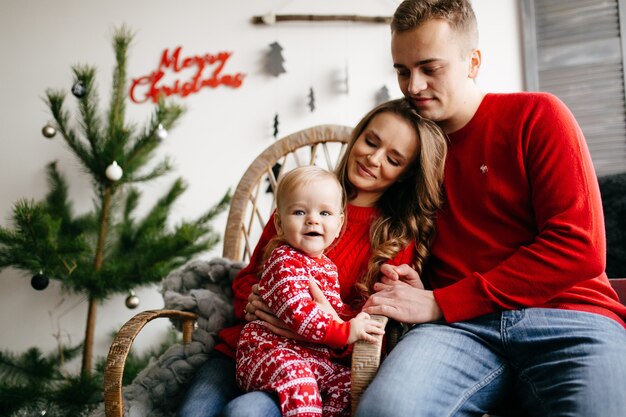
[[214, 392], [557, 362]]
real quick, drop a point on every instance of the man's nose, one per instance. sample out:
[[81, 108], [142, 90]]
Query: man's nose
[[417, 83]]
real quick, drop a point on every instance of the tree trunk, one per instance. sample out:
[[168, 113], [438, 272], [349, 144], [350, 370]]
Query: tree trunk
[[89, 334], [99, 259]]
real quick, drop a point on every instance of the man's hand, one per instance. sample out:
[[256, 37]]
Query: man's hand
[[400, 295], [402, 273]]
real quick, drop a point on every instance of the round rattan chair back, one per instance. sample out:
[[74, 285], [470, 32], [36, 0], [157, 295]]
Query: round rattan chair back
[[253, 200]]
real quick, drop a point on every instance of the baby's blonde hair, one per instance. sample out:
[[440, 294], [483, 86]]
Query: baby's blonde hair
[[297, 178]]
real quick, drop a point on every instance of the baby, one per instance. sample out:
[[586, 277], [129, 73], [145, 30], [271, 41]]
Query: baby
[[310, 206]]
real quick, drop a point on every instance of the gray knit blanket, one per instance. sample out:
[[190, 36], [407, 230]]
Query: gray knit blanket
[[203, 287]]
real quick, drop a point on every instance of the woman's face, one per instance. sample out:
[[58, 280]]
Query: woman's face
[[380, 155]]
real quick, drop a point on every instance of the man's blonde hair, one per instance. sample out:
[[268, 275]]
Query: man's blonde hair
[[459, 14]]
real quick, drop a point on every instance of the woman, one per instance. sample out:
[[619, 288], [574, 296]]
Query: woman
[[392, 172]]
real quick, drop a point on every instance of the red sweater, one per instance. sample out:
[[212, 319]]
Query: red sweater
[[284, 286], [522, 193], [350, 255]]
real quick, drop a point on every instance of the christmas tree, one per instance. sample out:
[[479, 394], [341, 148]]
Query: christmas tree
[[109, 250], [275, 60]]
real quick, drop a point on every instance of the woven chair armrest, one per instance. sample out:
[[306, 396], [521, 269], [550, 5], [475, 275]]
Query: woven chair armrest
[[365, 362], [118, 352]]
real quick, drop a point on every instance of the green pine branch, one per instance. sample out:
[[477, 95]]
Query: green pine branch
[[90, 123], [31, 382], [122, 39]]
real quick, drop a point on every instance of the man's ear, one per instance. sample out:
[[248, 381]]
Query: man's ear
[[277, 224], [475, 59]]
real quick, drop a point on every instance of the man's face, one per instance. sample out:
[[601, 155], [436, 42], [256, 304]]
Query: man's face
[[435, 72]]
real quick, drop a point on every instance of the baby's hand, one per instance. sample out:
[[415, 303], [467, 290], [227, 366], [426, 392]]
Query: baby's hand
[[362, 327]]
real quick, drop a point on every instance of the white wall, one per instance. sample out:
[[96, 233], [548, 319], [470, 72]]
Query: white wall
[[223, 129]]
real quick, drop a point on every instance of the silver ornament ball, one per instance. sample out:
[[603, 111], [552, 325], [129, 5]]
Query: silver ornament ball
[[132, 301], [161, 132], [79, 90], [48, 131]]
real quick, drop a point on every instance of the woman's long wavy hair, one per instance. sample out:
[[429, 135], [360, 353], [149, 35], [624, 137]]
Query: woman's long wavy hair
[[409, 205]]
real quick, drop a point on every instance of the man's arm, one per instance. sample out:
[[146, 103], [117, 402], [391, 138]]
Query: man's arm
[[566, 212]]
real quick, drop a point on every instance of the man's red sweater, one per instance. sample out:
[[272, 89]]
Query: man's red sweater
[[522, 224], [350, 255]]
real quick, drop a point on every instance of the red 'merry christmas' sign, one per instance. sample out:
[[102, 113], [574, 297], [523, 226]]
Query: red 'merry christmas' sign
[[206, 71]]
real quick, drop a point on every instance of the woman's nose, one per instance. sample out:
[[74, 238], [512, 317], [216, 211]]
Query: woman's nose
[[374, 158]]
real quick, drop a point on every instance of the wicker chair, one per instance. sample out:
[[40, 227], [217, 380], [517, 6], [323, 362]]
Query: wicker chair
[[250, 209]]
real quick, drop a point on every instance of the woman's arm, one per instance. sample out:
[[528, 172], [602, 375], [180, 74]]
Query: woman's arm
[[248, 276]]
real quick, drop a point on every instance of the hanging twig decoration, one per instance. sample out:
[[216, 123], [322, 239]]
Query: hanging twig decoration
[[270, 18], [382, 95], [311, 100], [276, 125]]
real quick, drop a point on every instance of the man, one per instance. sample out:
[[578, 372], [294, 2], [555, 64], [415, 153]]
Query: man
[[519, 301]]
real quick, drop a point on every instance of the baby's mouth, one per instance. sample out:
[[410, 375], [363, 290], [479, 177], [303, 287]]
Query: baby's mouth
[[313, 234]]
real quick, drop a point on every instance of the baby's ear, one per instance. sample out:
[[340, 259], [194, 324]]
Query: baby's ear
[[277, 223], [342, 220]]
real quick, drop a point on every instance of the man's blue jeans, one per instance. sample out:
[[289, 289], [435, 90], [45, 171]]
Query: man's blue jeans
[[558, 362], [214, 392]]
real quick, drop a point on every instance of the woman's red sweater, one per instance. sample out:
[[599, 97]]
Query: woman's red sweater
[[350, 255]]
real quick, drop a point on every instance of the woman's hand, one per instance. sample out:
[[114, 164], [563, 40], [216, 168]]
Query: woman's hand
[[255, 303], [400, 295], [257, 309]]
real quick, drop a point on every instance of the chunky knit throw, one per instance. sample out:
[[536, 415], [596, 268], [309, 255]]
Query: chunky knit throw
[[202, 287]]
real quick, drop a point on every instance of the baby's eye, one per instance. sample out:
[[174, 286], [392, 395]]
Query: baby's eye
[[326, 213], [298, 212]]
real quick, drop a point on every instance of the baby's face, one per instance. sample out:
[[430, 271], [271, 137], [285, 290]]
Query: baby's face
[[311, 217]]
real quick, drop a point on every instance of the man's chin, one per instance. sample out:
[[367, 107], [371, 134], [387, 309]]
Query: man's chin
[[427, 113], [422, 105]]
